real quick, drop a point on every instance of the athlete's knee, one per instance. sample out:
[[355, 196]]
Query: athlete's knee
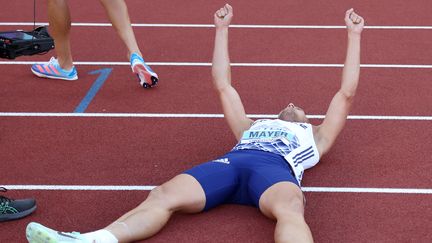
[[281, 200], [161, 196], [286, 206], [289, 206], [291, 224]]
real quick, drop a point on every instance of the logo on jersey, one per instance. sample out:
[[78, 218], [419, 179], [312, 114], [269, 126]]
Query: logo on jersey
[[223, 161], [303, 125]]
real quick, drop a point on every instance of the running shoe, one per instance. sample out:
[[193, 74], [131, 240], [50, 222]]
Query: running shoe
[[15, 209], [37, 233], [53, 70], [145, 74]]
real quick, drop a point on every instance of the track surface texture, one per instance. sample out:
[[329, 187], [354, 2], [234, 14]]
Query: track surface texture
[[160, 132]]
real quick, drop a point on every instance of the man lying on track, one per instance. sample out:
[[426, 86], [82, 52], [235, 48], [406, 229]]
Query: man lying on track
[[264, 169]]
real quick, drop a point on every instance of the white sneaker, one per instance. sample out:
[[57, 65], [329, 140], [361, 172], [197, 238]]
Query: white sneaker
[[53, 70], [37, 233]]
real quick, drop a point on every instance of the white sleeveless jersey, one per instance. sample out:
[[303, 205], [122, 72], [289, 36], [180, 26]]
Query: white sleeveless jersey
[[292, 140]]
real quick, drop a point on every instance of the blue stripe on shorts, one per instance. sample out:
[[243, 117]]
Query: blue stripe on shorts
[[241, 176]]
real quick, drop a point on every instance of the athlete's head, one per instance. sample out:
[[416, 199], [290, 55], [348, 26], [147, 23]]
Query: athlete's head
[[293, 113]]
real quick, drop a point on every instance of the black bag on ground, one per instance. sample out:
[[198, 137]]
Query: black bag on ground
[[18, 43]]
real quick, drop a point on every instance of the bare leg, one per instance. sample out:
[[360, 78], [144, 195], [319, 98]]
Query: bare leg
[[284, 202], [118, 14], [60, 25], [182, 193]]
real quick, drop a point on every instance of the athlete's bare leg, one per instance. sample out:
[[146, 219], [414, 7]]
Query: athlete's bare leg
[[118, 14], [59, 28], [183, 193], [284, 203]]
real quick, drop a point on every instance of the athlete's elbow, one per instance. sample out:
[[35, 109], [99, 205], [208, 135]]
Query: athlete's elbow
[[220, 85], [348, 94]]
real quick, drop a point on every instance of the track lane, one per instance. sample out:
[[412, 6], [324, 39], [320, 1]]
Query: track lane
[[92, 151], [383, 92], [332, 217], [199, 11], [327, 46]]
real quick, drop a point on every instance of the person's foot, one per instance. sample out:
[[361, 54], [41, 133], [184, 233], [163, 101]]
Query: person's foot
[[11, 209], [146, 76], [37, 233], [53, 70]]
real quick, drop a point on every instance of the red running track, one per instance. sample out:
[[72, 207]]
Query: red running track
[[403, 92], [107, 151]]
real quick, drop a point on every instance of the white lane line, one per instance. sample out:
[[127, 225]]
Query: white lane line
[[78, 187], [245, 26], [148, 188], [207, 64], [368, 190], [173, 115]]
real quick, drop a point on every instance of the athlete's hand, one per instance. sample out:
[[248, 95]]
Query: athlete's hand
[[354, 22], [223, 17]]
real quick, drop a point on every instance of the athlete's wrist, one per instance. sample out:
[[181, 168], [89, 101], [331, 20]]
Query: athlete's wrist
[[222, 28], [354, 36]]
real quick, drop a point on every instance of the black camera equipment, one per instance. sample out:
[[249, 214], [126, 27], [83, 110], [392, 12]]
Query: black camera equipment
[[18, 43]]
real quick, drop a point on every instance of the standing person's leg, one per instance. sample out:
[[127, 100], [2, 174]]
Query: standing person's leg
[[284, 202], [118, 14], [59, 28], [183, 193]]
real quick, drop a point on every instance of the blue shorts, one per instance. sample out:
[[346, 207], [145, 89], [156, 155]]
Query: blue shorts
[[241, 177]]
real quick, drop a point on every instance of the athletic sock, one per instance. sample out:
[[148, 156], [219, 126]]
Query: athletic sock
[[101, 236]]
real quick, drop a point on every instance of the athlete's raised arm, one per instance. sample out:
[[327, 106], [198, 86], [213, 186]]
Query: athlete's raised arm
[[340, 105], [221, 72]]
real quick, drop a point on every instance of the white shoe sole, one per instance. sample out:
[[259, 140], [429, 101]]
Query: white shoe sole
[[41, 75]]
